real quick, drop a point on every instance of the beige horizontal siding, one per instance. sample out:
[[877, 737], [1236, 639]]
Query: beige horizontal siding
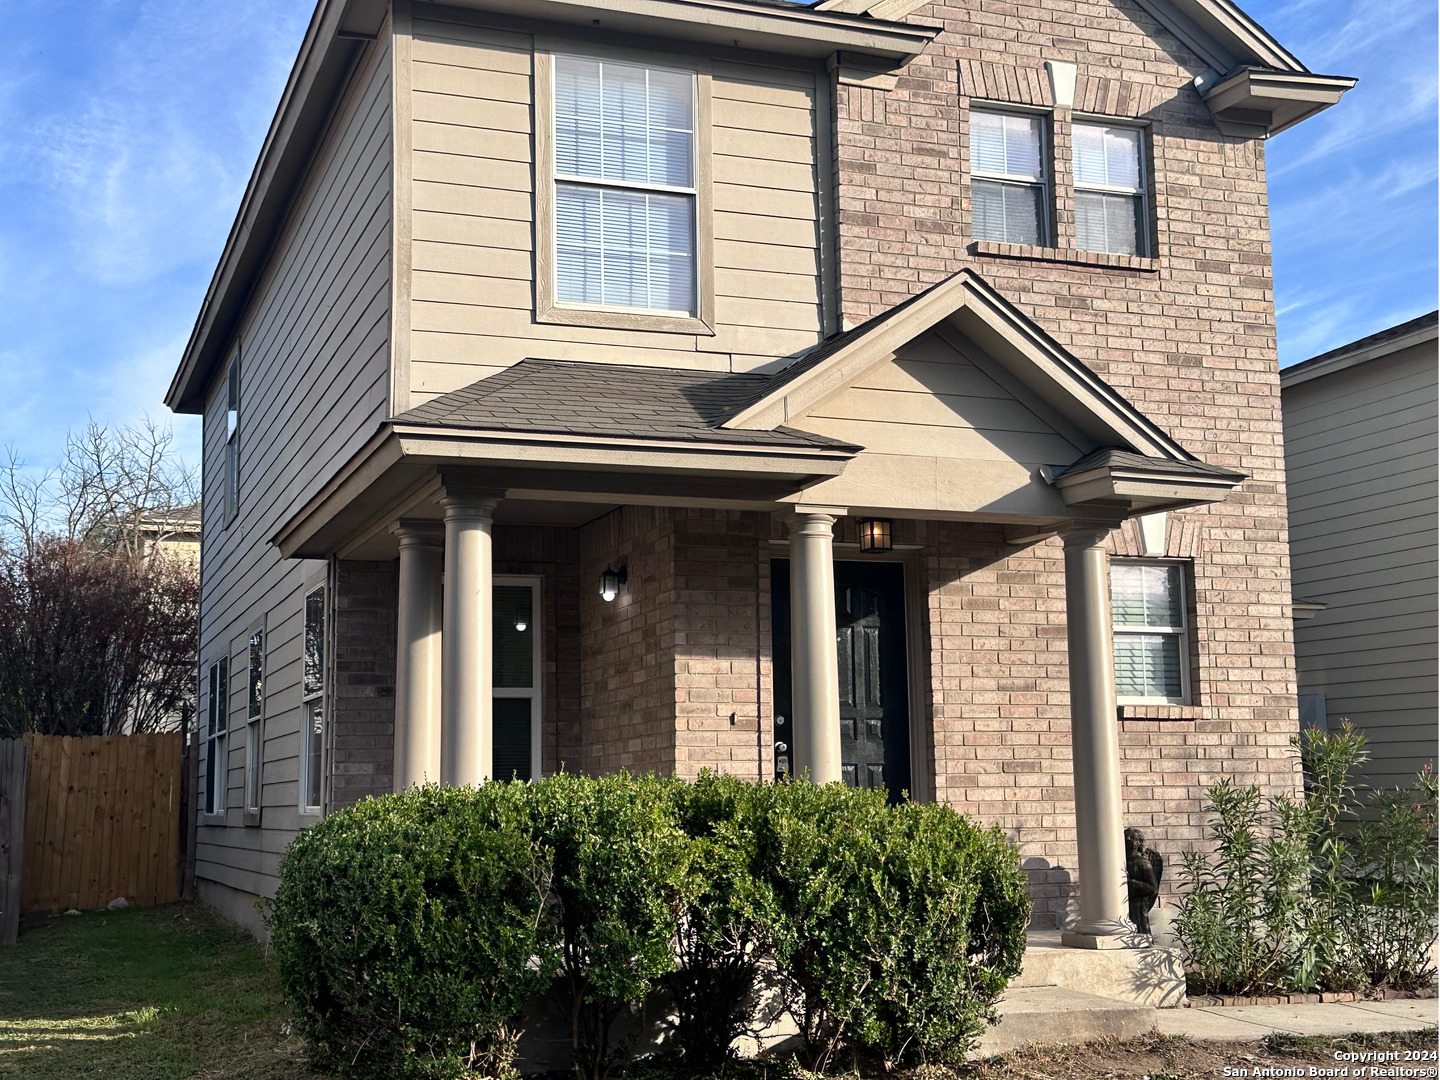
[[1360, 451], [473, 217], [314, 344]]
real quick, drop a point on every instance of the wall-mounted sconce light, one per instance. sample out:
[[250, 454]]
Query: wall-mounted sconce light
[[610, 582], [875, 534]]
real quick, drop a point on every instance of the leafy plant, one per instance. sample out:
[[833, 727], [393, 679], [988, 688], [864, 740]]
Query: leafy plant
[[410, 931], [622, 879]]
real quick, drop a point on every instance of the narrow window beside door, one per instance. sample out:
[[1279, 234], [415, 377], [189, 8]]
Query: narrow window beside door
[[516, 666], [1152, 648], [313, 708]]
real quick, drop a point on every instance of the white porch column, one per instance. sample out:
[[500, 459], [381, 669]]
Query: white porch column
[[1095, 739], [814, 679], [466, 708], [417, 655]]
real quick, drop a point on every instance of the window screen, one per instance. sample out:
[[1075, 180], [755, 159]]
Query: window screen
[[1147, 602], [624, 186], [1007, 178], [1110, 211]]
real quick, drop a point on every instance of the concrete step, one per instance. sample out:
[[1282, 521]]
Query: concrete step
[[1034, 1015], [1147, 976]]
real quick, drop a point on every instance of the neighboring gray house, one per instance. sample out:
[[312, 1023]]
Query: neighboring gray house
[[1360, 453]]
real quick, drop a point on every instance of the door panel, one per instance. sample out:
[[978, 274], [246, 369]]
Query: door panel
[[870, 662]]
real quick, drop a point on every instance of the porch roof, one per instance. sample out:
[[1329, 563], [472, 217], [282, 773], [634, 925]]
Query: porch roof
[[613, 401]]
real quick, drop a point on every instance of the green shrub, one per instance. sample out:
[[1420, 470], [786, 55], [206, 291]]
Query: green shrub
[[1336, 893], [410, 930], [727, 935], [1242, 919], [878, 907], [622, 878]]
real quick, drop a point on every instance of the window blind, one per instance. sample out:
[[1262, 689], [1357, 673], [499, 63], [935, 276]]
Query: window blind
[[1147, 605], [1007, 178], [1109, 189], [624, 180]]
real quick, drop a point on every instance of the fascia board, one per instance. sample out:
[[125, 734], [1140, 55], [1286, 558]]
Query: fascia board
[[1107, 485], [1220, 34], [1301, 373], [430, 444], [795, 31]]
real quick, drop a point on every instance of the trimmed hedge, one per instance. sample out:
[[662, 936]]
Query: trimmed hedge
[[412, 930]]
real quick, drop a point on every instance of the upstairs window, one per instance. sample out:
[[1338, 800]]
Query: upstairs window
[[1110, 204], [1008, 197], [625, 186], [1148, 610], [232, 440]]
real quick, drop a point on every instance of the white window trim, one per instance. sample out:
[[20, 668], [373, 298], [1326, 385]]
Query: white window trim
[[547, 308], [1142, 192], [1182, 632], [217, 742], [1047, 168], [535, 691], [307, 701], [254, 728]]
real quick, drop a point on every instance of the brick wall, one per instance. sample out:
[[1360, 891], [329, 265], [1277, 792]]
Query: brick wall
[[627, 670], [723, 696], [362, 730], [1188, 336]]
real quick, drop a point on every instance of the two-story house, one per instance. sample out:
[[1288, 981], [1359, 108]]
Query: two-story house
[[876, 389]]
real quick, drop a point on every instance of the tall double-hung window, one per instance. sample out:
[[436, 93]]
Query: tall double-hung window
[[1110, 203], [254, 710], [216, 744], [1149, 613], [1009, 196], [625, 187], [312, 730]]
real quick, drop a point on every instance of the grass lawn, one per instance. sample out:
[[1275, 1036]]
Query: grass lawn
[[142, 994], [172, 992]]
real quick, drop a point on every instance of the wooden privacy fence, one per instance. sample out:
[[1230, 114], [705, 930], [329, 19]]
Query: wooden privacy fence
[[102, 818]]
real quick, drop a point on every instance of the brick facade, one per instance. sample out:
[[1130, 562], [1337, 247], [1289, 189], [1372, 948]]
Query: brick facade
[[1186, 334], [675, 675], [362, 725]]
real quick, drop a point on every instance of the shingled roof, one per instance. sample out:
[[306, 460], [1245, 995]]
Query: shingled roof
[[1110, 457], [611, 401]]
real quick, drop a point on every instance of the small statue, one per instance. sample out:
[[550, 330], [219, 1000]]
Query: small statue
[[1143, 868]]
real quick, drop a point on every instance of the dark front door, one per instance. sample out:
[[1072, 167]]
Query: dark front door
[[873, 689]]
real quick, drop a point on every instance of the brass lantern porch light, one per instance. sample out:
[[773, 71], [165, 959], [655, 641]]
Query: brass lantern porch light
[[875, 534]]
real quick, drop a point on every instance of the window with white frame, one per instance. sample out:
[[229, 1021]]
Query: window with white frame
[[232, 439], [254, 710], [216, 745], [624, 186], [1111, 212], [1152, 647], [1009, 200], [515, 644], [313, 709]]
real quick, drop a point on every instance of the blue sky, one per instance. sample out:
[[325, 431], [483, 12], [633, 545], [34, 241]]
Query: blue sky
[[128, 129]]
